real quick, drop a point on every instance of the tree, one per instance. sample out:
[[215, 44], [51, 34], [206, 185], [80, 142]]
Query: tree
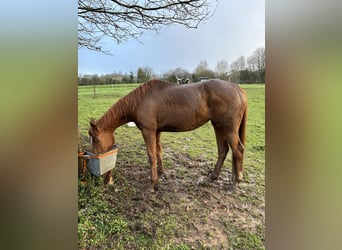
[[202, 67], [84, 81], [241, 63], [95, 80], [131, 77], [256, 64], [121, 20], [236, 68], [251, 63], [259, 55], [202, 70], [178, 75], [144, 74], [222, 69]]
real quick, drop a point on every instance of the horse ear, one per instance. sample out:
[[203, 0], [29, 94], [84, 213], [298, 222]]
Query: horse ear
[[93, 124]]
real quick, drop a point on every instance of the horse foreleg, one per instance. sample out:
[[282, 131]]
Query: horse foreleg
[[222, 149], [159, 155], [150, 141]]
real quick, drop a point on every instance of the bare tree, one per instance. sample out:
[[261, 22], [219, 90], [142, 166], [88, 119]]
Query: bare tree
[[222, 69], [251, 63], [202, 70], [124, 19], [241, 63], [236, 68], [181, 73], [259, 55], [202, 67], [178, 75], [95, 80], [257, 59], [144, 74]]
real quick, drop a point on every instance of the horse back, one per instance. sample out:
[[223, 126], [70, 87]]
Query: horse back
[[186, 107]]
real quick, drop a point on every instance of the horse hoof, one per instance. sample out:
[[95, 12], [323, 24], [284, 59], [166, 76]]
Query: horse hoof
[[149, 190], [155, 188], [239, 177], [109, 182], [213, 177], [160, 172]]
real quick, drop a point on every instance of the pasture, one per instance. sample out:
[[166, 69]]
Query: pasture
[[185, 212]]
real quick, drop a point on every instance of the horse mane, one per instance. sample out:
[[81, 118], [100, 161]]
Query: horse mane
[[126, 106]]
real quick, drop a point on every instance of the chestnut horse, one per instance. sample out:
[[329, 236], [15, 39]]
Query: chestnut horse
[[158, 106]]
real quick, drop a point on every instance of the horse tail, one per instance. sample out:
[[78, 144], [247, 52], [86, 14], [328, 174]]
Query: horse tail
[[242, 128], [237, 167], [243, 124]]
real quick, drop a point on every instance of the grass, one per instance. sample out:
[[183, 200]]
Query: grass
[[186, 215]]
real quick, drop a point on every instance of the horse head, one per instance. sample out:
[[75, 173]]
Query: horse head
[[100, 140]]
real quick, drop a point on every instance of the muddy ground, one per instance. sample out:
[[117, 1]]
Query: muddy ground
[[201, 214]]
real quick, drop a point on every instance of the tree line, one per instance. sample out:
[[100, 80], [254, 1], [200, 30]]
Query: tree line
[[242, 70]]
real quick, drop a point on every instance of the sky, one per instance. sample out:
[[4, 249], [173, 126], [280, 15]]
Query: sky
[[236, 29]]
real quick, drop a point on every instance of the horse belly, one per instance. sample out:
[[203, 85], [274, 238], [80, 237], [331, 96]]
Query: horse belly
[[181, 120]]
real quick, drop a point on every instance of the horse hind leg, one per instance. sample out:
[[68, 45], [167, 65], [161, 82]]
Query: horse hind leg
[[237, 157], [159, 150], [222, 149]]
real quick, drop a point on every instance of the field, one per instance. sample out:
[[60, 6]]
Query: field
[[185, 212]]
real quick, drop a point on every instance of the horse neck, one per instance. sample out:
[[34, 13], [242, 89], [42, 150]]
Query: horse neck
[[123, 111], [120, 113]]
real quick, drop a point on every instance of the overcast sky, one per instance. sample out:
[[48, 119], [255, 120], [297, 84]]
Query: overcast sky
[[237, 28]]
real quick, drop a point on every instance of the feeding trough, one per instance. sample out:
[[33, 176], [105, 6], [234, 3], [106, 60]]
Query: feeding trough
[[98, 164]]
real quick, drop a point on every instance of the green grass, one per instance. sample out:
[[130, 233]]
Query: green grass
[[111, 218]]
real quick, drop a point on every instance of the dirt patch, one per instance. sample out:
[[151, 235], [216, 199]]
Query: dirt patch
[[191, 210]]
